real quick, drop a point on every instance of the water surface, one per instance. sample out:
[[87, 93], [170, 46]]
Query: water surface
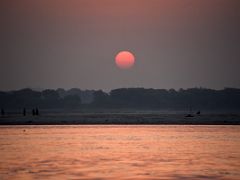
[[120, 152]]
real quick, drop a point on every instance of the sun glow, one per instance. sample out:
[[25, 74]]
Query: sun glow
[[125, 59]]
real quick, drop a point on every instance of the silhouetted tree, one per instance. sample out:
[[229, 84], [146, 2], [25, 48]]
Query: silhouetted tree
[[138, 98], [51, 99], [72, 101], [101, 99]]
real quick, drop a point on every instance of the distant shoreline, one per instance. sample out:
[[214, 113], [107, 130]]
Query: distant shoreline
[[122, 119]]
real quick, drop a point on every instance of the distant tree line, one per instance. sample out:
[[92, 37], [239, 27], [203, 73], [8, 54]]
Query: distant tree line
[[46, 99], [133, 98]]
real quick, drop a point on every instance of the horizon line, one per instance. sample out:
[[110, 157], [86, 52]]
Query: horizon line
[[104, 90]]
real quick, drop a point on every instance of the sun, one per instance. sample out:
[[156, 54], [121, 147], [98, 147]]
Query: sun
[[125, 59]]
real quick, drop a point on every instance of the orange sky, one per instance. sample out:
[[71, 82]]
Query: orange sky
[[177, 43]]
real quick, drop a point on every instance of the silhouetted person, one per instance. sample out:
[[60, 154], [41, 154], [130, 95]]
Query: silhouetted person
[[2, 112], [37, 112], [33, 112], [198, 113], [24, 111]]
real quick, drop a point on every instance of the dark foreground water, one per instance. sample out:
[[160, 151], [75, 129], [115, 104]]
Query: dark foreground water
[[120, 152]]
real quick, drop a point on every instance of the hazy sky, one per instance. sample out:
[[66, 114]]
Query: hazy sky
[[72, 43]]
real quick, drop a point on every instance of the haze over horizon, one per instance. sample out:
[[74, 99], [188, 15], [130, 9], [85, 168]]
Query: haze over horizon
[[67, 44], [39, 89]]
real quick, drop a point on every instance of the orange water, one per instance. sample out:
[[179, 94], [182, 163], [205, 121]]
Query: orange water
[[120, 152]]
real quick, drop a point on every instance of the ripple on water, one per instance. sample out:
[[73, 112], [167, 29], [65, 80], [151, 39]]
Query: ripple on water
[[120, 152]]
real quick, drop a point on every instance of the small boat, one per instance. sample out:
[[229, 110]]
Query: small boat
[[189, 115]]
